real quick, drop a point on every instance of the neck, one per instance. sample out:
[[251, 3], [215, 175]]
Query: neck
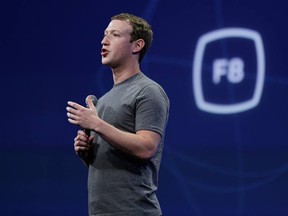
[[122, 74]]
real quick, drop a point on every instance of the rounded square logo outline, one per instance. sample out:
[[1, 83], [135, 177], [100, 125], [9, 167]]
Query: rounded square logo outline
[[197, 70]]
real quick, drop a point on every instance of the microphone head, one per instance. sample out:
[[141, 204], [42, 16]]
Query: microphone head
[[93, 98]]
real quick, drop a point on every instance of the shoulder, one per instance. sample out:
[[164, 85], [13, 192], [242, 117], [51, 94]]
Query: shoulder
[[151, 90], [148, 84]]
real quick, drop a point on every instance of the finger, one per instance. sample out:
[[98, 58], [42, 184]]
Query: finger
[[72, 110], [69, 109], [74, 105], [81, 148], [79, 139], [72, 121], [80, 143], [81, 133], [71, 116], [81, 136]]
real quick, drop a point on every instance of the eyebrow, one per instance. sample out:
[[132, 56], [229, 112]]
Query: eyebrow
[[112, 31]]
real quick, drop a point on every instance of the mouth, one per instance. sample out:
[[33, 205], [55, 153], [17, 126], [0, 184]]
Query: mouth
[[104, 52]]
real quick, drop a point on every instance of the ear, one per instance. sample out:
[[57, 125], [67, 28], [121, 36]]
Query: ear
[[138, 45]]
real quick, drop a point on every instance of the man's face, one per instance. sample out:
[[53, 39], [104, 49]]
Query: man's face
[[116, 45]]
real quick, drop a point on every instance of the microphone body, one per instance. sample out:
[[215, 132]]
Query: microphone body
[[85, 154]]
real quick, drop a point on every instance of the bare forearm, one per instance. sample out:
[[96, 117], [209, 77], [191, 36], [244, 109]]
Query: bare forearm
[[142, 145]]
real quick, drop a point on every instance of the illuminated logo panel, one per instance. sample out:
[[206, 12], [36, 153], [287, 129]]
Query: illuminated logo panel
[[232, 68]]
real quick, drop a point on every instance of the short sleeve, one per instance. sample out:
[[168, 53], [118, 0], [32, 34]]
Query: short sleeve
[[152, 109]]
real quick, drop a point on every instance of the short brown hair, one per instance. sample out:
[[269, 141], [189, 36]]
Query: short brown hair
[[140, 30]]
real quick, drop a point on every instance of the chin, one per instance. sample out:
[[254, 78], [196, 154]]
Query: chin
[[105, 62]]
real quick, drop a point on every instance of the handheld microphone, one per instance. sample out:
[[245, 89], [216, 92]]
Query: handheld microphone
[[84, 154], [94, 100]]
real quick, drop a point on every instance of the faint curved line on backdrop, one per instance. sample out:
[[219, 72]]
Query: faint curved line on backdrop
[[233, 189], [223, 189], [169, 61], [150, 10], [219, 170], [192, 204], [226, 189], [277, 79]]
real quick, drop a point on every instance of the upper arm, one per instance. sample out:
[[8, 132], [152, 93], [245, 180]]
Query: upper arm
[[151, 141], [152, 108]]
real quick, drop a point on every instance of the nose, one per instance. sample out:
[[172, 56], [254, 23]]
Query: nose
[[105, 40]]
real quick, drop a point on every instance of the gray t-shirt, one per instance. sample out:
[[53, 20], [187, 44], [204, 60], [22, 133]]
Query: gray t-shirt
[[119, 184]]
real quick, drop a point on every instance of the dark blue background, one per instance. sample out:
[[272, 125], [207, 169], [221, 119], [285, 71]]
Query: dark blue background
[[213, 164]]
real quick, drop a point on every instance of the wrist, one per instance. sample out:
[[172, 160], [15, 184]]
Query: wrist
[[97, 127]]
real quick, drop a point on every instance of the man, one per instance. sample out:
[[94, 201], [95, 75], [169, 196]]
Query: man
[[124, 151]]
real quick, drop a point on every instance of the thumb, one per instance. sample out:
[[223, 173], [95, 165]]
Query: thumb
[[90, 139], [90, 103]]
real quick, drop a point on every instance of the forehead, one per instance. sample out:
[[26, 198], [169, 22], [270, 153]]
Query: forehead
[[119, 25]]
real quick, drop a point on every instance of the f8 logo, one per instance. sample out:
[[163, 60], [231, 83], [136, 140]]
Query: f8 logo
[[233, 69], [230, 68]]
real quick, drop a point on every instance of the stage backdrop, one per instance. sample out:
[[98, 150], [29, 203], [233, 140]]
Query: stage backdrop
[[223, 65]]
